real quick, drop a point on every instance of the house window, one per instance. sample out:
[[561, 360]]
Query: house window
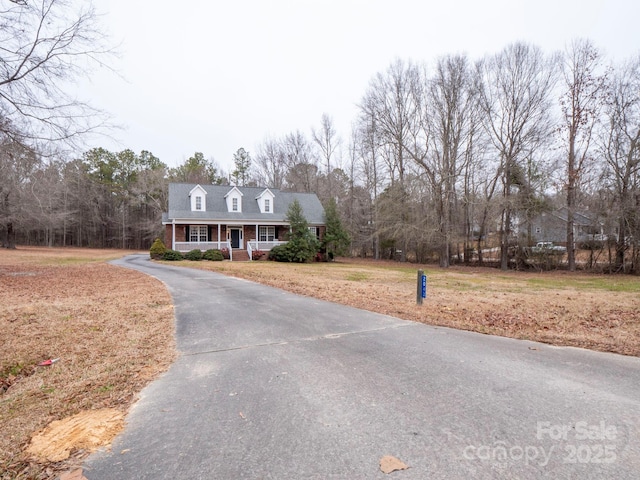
[[314, 230], [266, 234], [234, 204], [198, 203], [198, 233], [266, 205]]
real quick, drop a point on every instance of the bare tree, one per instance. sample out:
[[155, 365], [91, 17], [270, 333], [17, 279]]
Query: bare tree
[[439, 144], [356, 208], [17, 164], [620, 145], [474, 180], [302, 164], [486, 180], [515, 98], [45, 45], [148, 198], [77, 199], [327, 142], [47, 211], [583, 81], [390, 100], [367, 146], [271, 163]]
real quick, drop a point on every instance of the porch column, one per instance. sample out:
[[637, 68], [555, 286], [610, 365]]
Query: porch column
[[219, 246], [173, 234], [257, 237]]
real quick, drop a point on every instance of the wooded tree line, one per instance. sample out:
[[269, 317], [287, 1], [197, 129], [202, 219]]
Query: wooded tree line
[[444, 161], [450, 159], [103, 199]]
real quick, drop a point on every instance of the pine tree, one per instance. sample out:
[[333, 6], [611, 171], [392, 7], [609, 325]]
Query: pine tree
[[336, 239], [302, 245], [242, 162]]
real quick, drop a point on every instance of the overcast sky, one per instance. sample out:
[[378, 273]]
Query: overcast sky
[[213, 76]]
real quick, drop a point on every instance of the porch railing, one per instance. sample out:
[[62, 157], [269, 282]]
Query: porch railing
[[264, 246], [252, 245], [188, 246]]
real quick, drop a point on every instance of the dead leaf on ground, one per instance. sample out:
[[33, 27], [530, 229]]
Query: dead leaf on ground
[[390, 464]]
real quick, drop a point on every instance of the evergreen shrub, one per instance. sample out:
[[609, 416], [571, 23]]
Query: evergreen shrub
[[213, 255], [194, 255], [157, 249], [280, 253], [172, 255]]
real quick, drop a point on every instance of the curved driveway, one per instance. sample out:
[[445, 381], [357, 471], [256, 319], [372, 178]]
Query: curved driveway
[[271, 385]]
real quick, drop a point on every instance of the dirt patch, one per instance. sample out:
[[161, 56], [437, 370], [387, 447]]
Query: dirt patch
[[87, 430]]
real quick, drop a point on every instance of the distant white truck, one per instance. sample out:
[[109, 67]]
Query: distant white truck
[[548, 248]]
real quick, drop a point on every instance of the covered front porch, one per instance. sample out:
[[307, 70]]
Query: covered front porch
[[226, 237]]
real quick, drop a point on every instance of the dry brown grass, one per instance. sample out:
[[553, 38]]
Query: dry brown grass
[[111, 327], [600, 312]]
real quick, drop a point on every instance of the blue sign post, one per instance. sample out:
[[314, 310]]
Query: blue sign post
[[424, 286], [421, 291]]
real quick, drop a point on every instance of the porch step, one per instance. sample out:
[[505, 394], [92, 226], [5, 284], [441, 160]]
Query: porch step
[[240, 255]]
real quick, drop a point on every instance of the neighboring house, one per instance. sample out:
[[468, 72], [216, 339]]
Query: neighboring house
[[552, 227], [235, 218]]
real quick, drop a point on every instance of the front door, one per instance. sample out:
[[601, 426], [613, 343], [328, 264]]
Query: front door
[[236, 237]]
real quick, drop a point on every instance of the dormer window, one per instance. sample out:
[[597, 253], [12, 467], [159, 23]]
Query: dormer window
[[265, 201], [197, 199], [234, 200]]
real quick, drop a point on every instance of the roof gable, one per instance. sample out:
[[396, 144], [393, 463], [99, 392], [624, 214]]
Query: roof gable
[[196, 189], [233, 191], [266, 191]]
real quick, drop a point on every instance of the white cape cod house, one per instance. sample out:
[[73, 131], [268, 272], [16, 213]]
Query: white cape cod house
[[239, 219]]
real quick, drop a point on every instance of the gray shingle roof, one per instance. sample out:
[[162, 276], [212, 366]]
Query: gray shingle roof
[[216, 206]]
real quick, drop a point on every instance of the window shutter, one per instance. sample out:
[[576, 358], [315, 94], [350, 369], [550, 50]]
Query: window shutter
[[186, 233]]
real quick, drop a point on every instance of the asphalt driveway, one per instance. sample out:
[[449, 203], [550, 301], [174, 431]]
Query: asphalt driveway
[[271, 385]]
